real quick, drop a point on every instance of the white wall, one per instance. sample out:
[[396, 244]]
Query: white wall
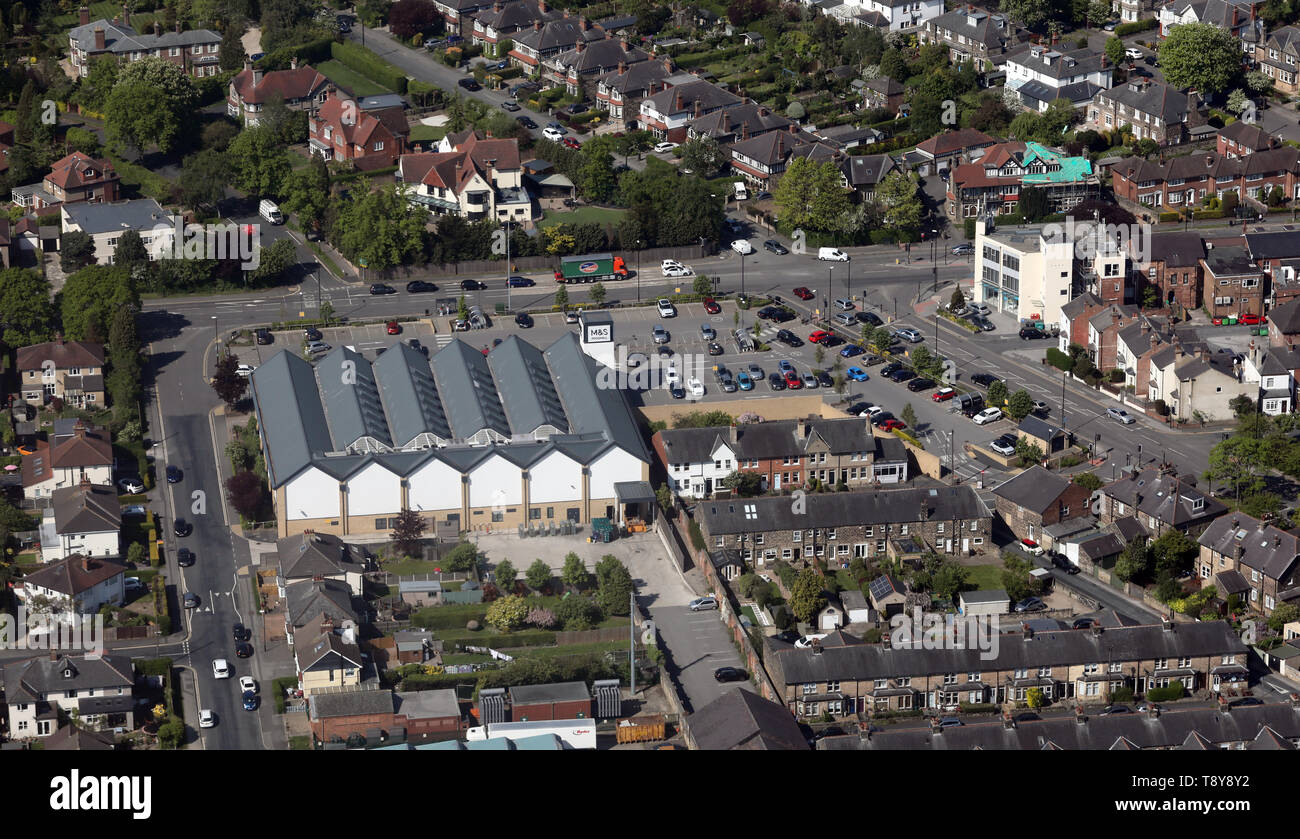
[[311, 495], [436, 486], [613, 466], [103, 543], [495, 481], [373, 491], [555, 478]]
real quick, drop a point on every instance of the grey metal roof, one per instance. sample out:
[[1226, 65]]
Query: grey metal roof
[[1034, 489], [469, 395], [354, 703], [140, 214], [289, 415], [410, 396], [554, 692], [591, 409], [840, 509], [527, 391], [427, 704], [351, 400]]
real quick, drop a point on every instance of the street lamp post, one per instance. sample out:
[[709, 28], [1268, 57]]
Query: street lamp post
[[638, 270], [507, 224]]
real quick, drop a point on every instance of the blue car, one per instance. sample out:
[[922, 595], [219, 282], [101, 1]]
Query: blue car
[[744, 381], [250, 701], [857, 374], [851, 350]]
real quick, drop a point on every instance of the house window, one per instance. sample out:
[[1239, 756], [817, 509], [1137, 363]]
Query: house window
[[786, 553], [381, 524], [796, 536]]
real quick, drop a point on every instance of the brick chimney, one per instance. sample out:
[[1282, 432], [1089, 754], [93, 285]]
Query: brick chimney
[[668, 64], [248, 64], [677, 102], [117, 20], [537, 26], [496, 7], [1114, 317], [84, 483], [99, 38], [582, 45], [126, 16], [157, 28], [622, 67], [84, 14], [699, 109], [726, 121], [85, 563], [79, 430], [178, 27], [293, 63], [583, 23], [541, 6], [794, 129], [257, 76], [625, 45], [744, 130]]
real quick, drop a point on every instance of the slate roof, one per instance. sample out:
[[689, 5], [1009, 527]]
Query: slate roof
[[1278, 244], [742, 721], [1100, 547], [867, 169], [991, 31], [1248, 134], [121, 38], [306, 555], [1230, 262], [840, 509], [559, 34], [1055, 649], [1172, 105], [1039, 428], [1165, 497], [747, 118], [1177, 249], [139, 214], [312, 599], [1103, 319], [599, 56], [70, 577], [1264, 548], [1034, 489], [1286, 317], [1063, 63], [554, 692], [64, 354], [637, 78], [1080, 304], [710, 96], [28, 680], [315, 650], [86, 509], [354, 703]]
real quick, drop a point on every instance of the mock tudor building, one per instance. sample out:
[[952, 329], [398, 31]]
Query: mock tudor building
[[519, 436], [481, 178], [1151, 110], [501, 20], [1160, 500], [1266, 557], [546, 40], [100, 691], [69, 370], [299, 88], [1036, 498], [841, 526], [667, 113], [590, 59], [1085, 665], [341, 130], [992, 183], [620, 91], [737, 123], [196, 52]]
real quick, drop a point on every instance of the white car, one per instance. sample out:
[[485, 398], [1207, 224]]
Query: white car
[[1132, 52], [207, 719], [1121, 415], [806, 641], [247, 683], [678, 271], [695, 387], [663, 148], [666, 308], [981, 309], [671, 376], [131, 486], [742, 247], [133, 583], [987, 415], [244, 370], [1003, 446], [553, 134], [670, 263], [220, 669], [875, 411]]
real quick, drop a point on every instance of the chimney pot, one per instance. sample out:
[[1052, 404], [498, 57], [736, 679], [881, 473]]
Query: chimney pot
[[84, 14], [85, 563], [126, 16]]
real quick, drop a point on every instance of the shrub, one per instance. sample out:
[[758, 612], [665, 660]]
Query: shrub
[[1124, 694], [369, 65], [1059, 360], [473, 626], [1174, 692], [1116, 376], [1171, 216], [1126, 29]]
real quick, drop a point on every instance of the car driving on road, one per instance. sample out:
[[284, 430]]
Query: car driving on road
[[1120, 415]]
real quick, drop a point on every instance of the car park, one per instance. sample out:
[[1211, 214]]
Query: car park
[[130, 486], [890, 424], [311, 333], [1030, 604], [318, 348], [263, 336], [707, 332], [776, 381], [660, 335], [775, 247], [666, 308], [851, 350], [868, 318], [943, 394], [730, 674], [902, 374], [1029, 333], [700, 604], [714, 348], [524, 320], [793, 380], [988, 415], [918, 385], [1120, 415], [819, 336], [381, 288], [809, 380], [857, 374], [788, 338], [1004, 445], [981, 309], [744, 381], [844, 305], [712, 306], [393, 327]]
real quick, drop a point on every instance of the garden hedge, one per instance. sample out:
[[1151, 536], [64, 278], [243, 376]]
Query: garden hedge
[[369, 65]]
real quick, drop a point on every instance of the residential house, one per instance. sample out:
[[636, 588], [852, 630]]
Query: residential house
[[884, 93], [1103, 333], [740, 720], [783, 453], [86, 454], [251, 90], [863, 173], [1284, 325], [1201, 385], [1087, 666], [482, 178], [72, 179], [1039, 96], [575, 68], [1242, 138], [1152, 111], [1160, 500], [1269, 559], [973, 35], [73, 586], [1276, 254], [499, 21], [85, 519], [845, 137], [953, 147], [992, 182], [459, 15], [99, 691], [74, 738], [1175, 269], [321, 556], [1022, 272], [1036, 498], [1274, 370], [1131, 11], [727, 564], [667, 113], [1074, 320], [72, 371], [330, 660], [1238, 18], [105, 224], [196, 51], [310, 603], [737, 123], [620, 91], [761, 160], [548, 39], [1276, 58], [888, 15], [1133, 343], [1056, 69], [1233, 282], [844, 525], [1182, 181], [339, 130]]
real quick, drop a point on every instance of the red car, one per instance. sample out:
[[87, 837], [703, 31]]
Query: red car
[[803, 293], [792, 380], [1249, 320], [571, 143], [943, 394], [393, 327], [820, 336], [891, 424], [711, 306]]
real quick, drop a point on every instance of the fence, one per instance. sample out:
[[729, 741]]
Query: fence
[[592, 636], [525, 264]]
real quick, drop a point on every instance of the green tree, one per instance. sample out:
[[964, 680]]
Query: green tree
[[958, 299], [744, 484], [909, 416], [463, 557], [1015, 577], [882, 338], [811, 196], [1115, 51], [273, 262], [1242, 405], [703, 285], [998, 394], [806, 598], [1173, 552], [1088, 481], [130, 253], [1200, 55], [26, 314], [1029, 453], [1283, 614], [1034, 699], [505, 576], [1033, 14], [1020, 405], [227, 382], [538, 575], [703, 156], [408, 530], [598, 293], [380, 227], [204, 178], [153, 101], [903, 209], [574, 573], [615, 591], [231, 52], [1239, 462], [561, 297], [1134, 562], [507, 613], [664, 497], [577, 612], [307, 194], [76, 250], [596, 175], [91, 295], [259, 162]]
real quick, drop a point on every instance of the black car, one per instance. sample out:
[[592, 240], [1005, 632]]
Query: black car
[[470, 85], [1028, 333], [520, 282], [1116, 709], [781, 315], [524, 320], [984, 324], [419, 287], [901, 375], [191, 600], [715, 348], [244, 650], [858, 407], [891, 368], [882, 418], [311, 333], [263, 336], [788, 338], [730, 674], [869, 318], [174, 475], [241, 632], [472, 285], [917, 385], [766, 312], [526, 122], [1063, 562], [185, 557], [182, 528], [1246, 702], [983, 379], [824, 379], [382, 288], [677, 392], [250, 701], [776, 247], [775, 381]]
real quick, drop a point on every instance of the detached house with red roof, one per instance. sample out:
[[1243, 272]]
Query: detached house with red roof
[[620, 91], [589, 59], [951, 148], [73, 179], [69, 370], [341, 130], [668, 113], [479, 178], [64, 462], [545, 40], [300, 88]]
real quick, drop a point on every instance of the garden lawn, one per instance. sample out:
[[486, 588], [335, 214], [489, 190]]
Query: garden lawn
[[583, 215], [985, 577], [420, 133], [349, 79], [136, 178]]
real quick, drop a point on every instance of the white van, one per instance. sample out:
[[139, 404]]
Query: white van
[[741, 192], [832, 254], [220, 669], [270, 212]]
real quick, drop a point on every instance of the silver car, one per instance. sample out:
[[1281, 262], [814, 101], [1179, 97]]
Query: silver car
[[661, 335], [1121, 415], [703, 603]]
